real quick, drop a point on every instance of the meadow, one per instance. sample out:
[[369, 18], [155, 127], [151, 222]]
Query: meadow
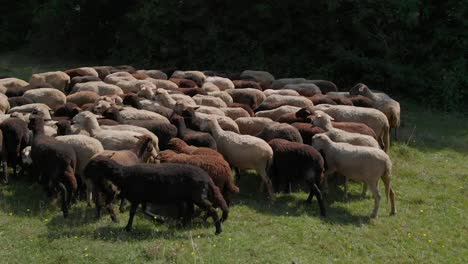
[[430, 177]]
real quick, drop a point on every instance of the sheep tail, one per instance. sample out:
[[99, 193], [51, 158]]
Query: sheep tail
[[232, 187], [219, 200], [386, 137], [386, 179]]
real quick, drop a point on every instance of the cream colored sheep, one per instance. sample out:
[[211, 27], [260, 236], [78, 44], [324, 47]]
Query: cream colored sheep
[[48, 96], [209, 100], [223, 96], [134, 86], [220, 82], [235, 112], [209, 110], [274, 114], [210, 87], [130, 113], [277, 100], [269, 92], [242, 151], [164, 84], [57, 79], [12, 83], [162, 97], [225, 122], [100, 88], [252, 125], [365, 164], [28, 108], [116, 77], [4, 104]]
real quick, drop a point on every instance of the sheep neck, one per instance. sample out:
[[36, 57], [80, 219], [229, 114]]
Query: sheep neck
[[92, 126], [215, 129], [168, 100], [326, 125], [367, 93]]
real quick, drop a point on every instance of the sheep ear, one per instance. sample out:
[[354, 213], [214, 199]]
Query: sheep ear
[[332, 119], [361, 88]]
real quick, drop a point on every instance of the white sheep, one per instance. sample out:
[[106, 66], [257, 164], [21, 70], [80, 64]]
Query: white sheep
[[243, 151], [48, 96], [162, 97], [274, 114], [164, 84], [8, 83], [116, 77], [369, 116], [155, 74], [252, 125], [28, 108], [313, 88], [98, 87], [85, 148], [263, 77], [235, 112], [323, 120], [130, 113], [4, 104], [365, 164], [83, 97], [209, 100], [134, 86], [269, 92], [57, 79], [223, 95], [280, 83], [210, 87], [277, 100], [220, 82], [209, 110], [225, 122]]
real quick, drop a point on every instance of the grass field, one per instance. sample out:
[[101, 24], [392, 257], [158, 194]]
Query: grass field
[[430, 178]]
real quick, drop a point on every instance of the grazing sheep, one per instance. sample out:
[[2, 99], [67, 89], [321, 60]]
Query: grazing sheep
[[166, 183], [180, 146], [238, 84], [210, 87], [325, 86], [100, 88], [19, 101], [223, 96], [247, 108], [280, 130], [304, 89], [263, 77], [307, 131], [371, 117], [57, 79], [221, 83], [4, 104], [243, 151], [381, 102], [54, 162], [218, 169], [15, 138], [183, 83], [235, 112], [269, 92], [82, 71], [292, 161], [274, 114], [277, 100], [67, 110], [248, 96], [252, 125], [11, 83], [38, 107], [155, 74], [208, 100], [116, 77], [322, 120], [83, 97], [280, 83], [48, 96], [359, 163], [196, 138]]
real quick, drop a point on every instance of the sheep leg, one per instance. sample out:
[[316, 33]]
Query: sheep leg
[[64, 196], [188, 213], [315, 190], [122, 204], [375, 192], [364, 189], [110, 208], [238, 174], [133, 209], [5, 172], [346, 182], [206, 205], [392, 202], [89, 192], [267, 182], [150, 214]]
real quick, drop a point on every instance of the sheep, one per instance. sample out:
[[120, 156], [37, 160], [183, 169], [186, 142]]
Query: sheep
[[15, 138], [82, 79], [361, 101], [155, 74], [208, 100], [280, 130], [44, 109], [277, 100], [359, 163], [381, 102], [210, 110], [68, 110], [292, 160], [307, 131], [221, 83], [163, 98], [196, 118], [340, 100], [196, 138], [4, 104], [247, 108], [48, 96], [371, 117], [325, 86], [210, 87], [322, 120], [54, 162], [242, 151], [164, 84], [102, 71], [321, 99], [252, 125], [132, 100], [223, 96], [134, 86], [83, 97], [100, 88], [180, 146], [299, 116], [249, 96], [274, 114], [160, 184], [280, 83], [19, 101], [130, 113], [218, 169], [183, 83], [85, 148], [140, 75], [305, 89], [123, 68], [269, 92], [82, 71], [235, 112], [58, 79], [115, 77], [11, 83], [263, 77], [197, 76], [238, 84]]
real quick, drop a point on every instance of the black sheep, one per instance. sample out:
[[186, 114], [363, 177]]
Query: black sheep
[[192, 137], [167, 183], [297, 161], [82, 79], [133, 101], [54, 162], [280, 130], [19, 101], [15, 139], [67, 110]]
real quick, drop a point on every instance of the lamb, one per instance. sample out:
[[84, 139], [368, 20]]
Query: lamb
[[381, 102], [19, 101], [243, 151], [83, 97], [263, 77], [100, 88], [371, 117], [248, 96], [54, 162], [252, 125], [238, 84], [4, 104], [269, 92], [359, 163], [48, 96], [222, 83], [322, 120], [279, 130], [223, 96], [58, 79], [218, 169], [292, 160], [11, 83], [196, 138], [274, 114], [235, 112], [208, 100], [160, 184], [277, 100], [15, 138]]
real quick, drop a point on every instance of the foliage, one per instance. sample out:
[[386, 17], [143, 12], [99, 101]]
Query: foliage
[[411, 47]]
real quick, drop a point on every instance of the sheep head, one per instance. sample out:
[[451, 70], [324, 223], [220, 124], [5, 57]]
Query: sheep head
[[320, 141]]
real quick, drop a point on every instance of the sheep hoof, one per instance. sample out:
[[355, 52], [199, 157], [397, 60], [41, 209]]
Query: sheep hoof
[[128, 228], [393, 213], [374, 216], [218, 232]]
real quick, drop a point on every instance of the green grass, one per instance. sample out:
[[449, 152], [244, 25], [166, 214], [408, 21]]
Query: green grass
[[430, 178]]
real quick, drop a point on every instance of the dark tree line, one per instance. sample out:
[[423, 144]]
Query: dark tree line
[[417, 48]]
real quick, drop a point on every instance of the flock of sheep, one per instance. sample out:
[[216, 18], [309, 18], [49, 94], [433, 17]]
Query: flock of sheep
[[116, 132]]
